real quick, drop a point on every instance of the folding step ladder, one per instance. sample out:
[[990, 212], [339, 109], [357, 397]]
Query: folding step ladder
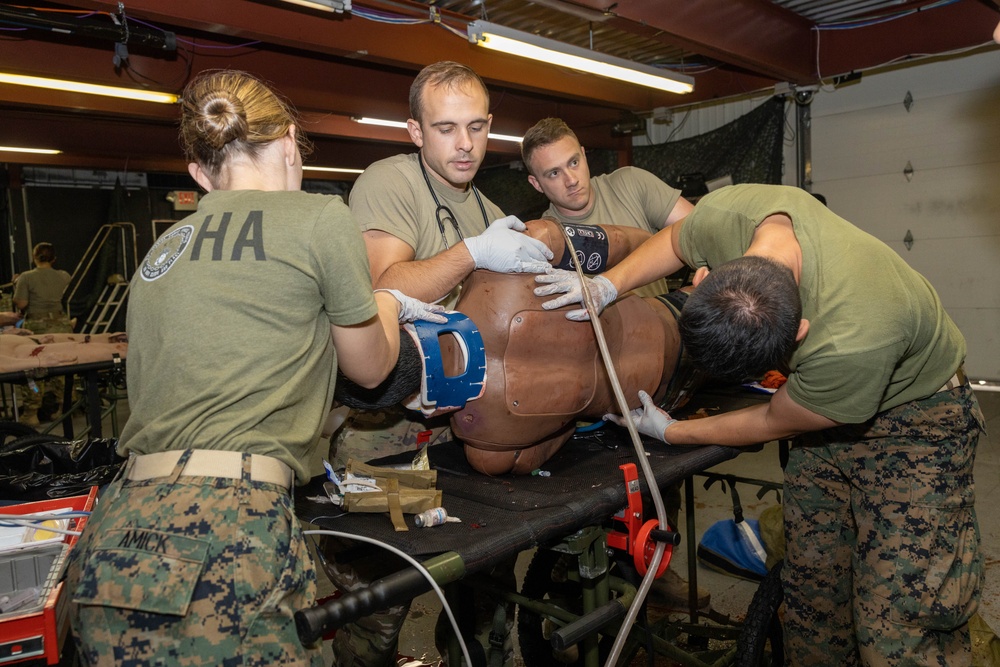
[[102, 315], [98, 288]]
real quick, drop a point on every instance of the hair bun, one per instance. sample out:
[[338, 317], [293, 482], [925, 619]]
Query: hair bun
[[223, 119]]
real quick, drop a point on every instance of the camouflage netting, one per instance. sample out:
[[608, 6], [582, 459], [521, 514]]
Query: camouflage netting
[[508, 188], [748, 149]]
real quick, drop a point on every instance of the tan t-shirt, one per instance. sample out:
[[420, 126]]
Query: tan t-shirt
[[42, 288], [229, 325], [392, 196], [630, 197]]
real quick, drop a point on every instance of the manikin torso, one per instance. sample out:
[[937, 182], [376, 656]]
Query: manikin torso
[[545, 372]]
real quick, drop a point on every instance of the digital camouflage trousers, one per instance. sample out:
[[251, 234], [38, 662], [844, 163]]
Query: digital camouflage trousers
[[883, 564], [185, 571]]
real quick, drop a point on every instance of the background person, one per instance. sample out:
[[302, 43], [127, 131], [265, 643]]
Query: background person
[[194, 555], [883, 564], [38, 294]]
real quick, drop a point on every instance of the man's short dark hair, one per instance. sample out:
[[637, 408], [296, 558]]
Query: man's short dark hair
[[742, 319]]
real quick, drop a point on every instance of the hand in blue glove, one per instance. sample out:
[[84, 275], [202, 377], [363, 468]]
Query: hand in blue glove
[[504, 249], [649, 419], [567, 283]]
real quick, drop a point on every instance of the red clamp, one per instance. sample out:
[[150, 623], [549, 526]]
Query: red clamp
[[636, 538]]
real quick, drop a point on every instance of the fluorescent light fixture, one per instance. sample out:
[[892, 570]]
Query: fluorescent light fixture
[[89, 88], [378, 121], [339, 170], [395, 123], [505, 137], [526, 45], [39, 151], [338, 6]]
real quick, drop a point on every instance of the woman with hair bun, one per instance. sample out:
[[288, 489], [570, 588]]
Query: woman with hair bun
[[238, 320]]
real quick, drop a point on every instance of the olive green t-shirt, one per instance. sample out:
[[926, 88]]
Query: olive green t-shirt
[[392, 196], [878, 334], [42, 287], [630, 197], [229, 325]]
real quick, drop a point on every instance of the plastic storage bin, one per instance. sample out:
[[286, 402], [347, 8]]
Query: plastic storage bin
[[37, 631]]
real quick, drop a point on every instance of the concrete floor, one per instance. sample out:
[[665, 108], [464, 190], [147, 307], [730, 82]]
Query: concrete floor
[[731, 595]]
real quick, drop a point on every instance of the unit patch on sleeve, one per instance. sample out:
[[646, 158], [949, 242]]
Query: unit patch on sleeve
[[167, 250]]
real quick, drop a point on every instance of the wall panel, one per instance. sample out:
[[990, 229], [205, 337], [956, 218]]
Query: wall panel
[[863, 137]]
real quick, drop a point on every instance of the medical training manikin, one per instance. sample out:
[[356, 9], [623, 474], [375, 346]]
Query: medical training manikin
[[517, 378]]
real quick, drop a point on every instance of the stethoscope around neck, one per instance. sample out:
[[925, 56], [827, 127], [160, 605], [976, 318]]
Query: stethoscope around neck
[[447, 211]]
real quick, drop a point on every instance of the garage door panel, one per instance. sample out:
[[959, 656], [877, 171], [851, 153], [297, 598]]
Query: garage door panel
[[937, 132], [980, 326]]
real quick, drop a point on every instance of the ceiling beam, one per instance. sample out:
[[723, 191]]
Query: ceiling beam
[[938, 30], [326, 90], [409, 47], [756, 35]]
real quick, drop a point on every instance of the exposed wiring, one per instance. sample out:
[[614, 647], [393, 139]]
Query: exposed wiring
[[193, 44], [819, 77], [81, 14], [217, 47], [415, 563], [456, 31], [790, 131], [678, 126], [380, 16], [647, 471], [829, 88], [385, 17], [864, 23]]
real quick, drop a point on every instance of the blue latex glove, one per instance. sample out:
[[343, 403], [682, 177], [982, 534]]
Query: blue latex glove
[[567, 283], [649, 419], [504, 249], [411, 309]]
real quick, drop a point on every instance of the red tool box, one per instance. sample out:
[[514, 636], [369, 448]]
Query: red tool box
[[37, 631]]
